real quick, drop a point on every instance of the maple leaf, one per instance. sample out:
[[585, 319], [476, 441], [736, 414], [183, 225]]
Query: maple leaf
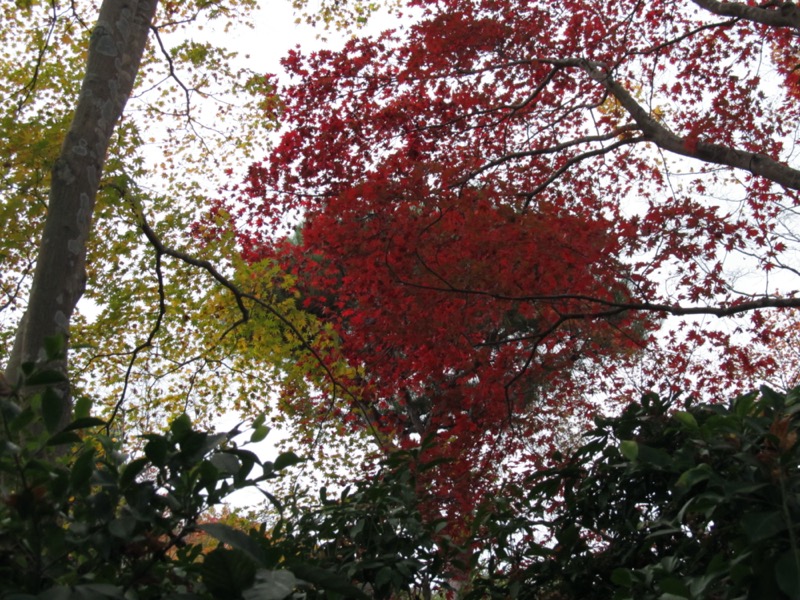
[[490, 209]]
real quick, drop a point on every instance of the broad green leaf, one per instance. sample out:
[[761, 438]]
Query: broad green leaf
[[132, 470], [787, 573], [54, 347], [761, 525], [181, 426], [122, 527], [327, 580], [54, 407], [236, 539], [622, 577], [686, 418], [46, 377], [83, 468], [271, 585], [654, 456], [156, 449], [64, 437], [85, 423], [227, 464], [695, 475], [100, 590], [629, 449], [83, 408], [259, 433], [227, 573], [22, 420], [674, 588], [286, 459]]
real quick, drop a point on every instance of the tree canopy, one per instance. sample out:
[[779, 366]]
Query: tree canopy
[[501, 204], [476, 235]]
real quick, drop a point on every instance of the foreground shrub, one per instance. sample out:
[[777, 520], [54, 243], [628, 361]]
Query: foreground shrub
[[662, 503]]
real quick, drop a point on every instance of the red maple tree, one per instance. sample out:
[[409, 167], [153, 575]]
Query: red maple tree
[[505, 198]]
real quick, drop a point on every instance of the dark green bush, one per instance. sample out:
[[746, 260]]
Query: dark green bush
[[663, 502], [79, 519], [659, 503]]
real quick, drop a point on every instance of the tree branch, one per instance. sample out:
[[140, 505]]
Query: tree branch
[[757, 164], [774, 14]]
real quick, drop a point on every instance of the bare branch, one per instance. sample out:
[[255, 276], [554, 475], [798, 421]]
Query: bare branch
[[240, 298]]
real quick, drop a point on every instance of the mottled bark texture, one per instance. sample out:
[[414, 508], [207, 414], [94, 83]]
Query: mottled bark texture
[[115, 52]]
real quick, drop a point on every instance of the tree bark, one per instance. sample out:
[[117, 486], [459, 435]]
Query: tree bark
[[774, 14], [115, 52]]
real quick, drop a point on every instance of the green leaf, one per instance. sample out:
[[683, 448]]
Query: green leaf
[[9, 409], [383, 577], [793, 396], [654, 456], [156, 449], [7, 447], [259, 433], [762, 525], [236, 539], [45, 377], [54, 346], [83, 408], [181, 426], [787, 573], [195, 445], [227, 573], [83, 468], [674, 588], [85, 423], [54, 407], [286, 459], [743, 405], [629, 449], [622, 577], [332, 582], [271, 585], [774, 398], [132, 470], [695, 475], [273, 500], [122, 527], [686, 418], [99, 590], [59, 592], [64, 437], [699, 585], [22, 420], [227, 464]]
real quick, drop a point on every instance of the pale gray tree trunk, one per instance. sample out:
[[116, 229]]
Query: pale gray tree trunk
[[115, 52]]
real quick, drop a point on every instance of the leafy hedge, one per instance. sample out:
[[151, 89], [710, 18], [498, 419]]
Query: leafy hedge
[[79, 519], [660, 503], [665, 501]]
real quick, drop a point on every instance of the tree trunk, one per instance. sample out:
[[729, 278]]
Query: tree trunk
[[115, 52]]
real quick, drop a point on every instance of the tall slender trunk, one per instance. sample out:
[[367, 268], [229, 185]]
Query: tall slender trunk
[[115, 52]]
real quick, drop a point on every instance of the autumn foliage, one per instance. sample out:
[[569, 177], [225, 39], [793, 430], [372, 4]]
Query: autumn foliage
[[497, 205]]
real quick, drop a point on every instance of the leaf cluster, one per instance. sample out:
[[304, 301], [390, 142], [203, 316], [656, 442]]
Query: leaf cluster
[[660, 503], [80, 519], [374, 533]]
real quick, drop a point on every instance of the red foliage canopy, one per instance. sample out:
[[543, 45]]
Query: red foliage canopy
[[504, 195]]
